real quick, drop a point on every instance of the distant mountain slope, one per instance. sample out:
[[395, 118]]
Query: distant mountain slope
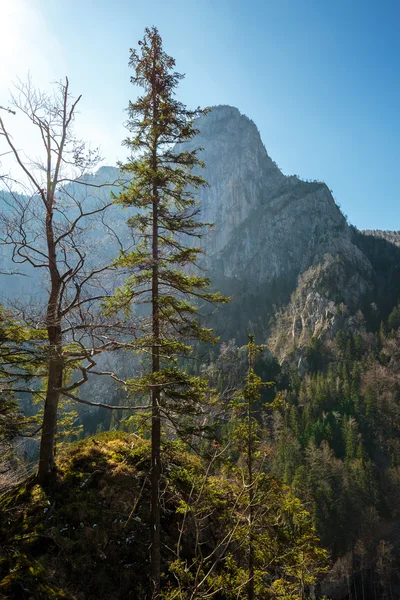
[[390, 236]]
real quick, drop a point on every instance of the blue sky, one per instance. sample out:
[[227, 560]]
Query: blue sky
[[321, 79]]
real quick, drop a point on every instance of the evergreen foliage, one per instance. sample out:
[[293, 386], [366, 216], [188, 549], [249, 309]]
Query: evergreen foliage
[[162, 188], [332, 435], [316, 455], [21, 360], [246, 437], [337, 441]]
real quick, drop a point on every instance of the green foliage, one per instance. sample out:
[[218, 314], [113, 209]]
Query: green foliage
[[161, 266], [218, 509], [247, 504], [88, 533], [22, 349], [163, 278], [245, 427], [384, 257], [394, 319], [26, 575], [21, 360], [336, 442]]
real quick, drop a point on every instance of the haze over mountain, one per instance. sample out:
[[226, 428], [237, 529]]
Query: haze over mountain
[[270, 229]]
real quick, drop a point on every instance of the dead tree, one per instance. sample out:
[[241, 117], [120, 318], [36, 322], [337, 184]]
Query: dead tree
[[51, 210]]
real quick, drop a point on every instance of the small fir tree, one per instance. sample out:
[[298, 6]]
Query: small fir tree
[[246, 434]]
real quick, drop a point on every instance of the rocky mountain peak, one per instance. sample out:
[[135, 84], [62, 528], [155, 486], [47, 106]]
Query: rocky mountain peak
[[227, 126], [266, 224], [268, 228], [231, 125]]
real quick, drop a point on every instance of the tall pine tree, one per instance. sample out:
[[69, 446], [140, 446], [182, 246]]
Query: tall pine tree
[[161, 273]]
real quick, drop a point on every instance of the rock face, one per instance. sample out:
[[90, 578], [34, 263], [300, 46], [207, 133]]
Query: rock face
[[269, 229], [327, 298], [266, 224], [239, 171]]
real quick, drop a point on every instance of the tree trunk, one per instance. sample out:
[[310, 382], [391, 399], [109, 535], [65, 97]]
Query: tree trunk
[[155, 559], [55, 360], [155, 567], [250, 585], [49, 429]]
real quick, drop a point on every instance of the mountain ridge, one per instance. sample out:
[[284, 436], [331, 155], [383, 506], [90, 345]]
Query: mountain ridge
[[269, 230]]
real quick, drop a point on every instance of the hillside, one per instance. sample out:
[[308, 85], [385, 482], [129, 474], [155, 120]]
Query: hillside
[[269, 228], [87, 536]]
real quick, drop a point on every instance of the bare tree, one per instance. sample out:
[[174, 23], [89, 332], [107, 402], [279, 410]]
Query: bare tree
[[51, 209], [12, 112]]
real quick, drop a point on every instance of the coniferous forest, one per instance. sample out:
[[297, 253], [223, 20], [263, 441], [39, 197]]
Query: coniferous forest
[[191, 407]]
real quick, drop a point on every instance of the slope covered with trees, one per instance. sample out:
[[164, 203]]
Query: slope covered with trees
[[235, 466], [330, 431], [87, 535]]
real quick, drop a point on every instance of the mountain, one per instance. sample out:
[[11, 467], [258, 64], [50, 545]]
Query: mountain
[[322, 296], [280, 246], [275, 236], [267, 225]]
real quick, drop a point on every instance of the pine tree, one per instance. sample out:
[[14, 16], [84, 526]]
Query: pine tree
[[371, 406], [21, 360], [355, 387], [11, 418], [394, 319], [246, 434], [161, 266]]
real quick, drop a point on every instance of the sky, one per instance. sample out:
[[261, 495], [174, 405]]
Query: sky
[[320, 78]]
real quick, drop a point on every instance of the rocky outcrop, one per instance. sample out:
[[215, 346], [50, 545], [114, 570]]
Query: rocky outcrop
[[265, 223], [326, 300], [240, 174]]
